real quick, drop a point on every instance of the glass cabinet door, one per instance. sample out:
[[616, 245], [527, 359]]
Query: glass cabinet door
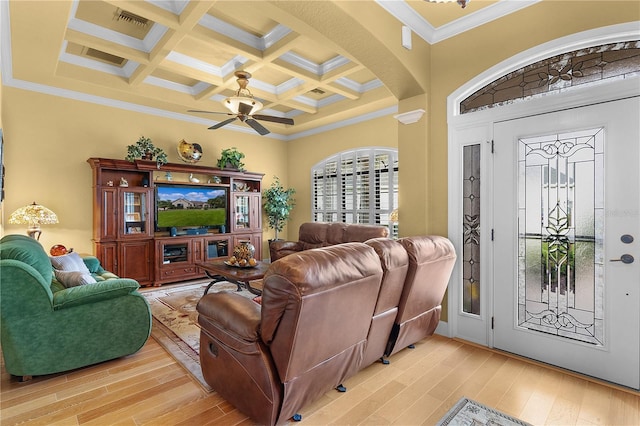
[[135, 212], [242, 218]]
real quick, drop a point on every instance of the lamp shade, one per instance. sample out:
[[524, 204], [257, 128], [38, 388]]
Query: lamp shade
[[251, 106], [33, 215]]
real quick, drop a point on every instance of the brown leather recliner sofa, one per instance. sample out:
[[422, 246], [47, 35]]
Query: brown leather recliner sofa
[[322, 234], [326, 313]]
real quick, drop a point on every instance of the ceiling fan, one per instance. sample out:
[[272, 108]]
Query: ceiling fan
[[243, 107]]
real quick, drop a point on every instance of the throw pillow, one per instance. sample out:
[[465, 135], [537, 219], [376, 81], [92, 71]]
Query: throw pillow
[[69, 262], [74, 278]]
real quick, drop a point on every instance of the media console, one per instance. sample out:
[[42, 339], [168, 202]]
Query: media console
[[126, 236]]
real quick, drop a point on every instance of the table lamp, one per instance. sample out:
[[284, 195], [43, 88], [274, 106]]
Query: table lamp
[[33, 215]]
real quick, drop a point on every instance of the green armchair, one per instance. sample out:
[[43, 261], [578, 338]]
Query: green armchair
[[47, 328]]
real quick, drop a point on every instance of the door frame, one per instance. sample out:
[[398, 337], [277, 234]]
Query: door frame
[[477, 127]]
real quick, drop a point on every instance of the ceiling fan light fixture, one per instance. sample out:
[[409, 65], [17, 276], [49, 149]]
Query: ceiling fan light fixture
[[233, 104], [462, 3]]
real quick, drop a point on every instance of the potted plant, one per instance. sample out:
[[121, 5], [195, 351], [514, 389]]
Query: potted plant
[[278, 203], [144, 149], [232, 158]]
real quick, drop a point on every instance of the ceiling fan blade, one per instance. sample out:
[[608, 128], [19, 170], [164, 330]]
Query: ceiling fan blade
[[273, 119], [223, 123], [257, 126], [209, 112]]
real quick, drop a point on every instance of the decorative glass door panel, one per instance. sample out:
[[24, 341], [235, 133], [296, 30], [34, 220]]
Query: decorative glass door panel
[[135, 212], [243, 212], [560, 212]]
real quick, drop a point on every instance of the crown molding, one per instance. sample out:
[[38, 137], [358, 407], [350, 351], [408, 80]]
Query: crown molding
[[403, 12]]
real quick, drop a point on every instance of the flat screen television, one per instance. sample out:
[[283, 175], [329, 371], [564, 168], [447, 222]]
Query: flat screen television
[[185, 206]]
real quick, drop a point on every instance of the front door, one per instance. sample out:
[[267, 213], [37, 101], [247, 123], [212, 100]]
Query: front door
[[567, 239]]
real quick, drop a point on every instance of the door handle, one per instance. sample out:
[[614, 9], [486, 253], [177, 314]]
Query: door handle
[[625, 258]]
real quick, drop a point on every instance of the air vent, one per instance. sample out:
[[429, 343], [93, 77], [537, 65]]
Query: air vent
[[132, 18], [104, 57], [317, 91]]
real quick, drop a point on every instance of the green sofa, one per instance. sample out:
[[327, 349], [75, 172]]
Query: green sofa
[[48, 328]]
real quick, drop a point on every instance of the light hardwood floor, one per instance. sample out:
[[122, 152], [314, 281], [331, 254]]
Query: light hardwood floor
[[417, 388]]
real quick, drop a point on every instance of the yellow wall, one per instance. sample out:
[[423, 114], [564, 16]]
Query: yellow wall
[[49, 139]]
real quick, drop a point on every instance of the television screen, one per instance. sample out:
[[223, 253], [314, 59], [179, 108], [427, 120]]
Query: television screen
[[190, 206]]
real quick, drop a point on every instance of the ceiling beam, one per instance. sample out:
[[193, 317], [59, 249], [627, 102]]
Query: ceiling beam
[[106, 46], [188, 20], [358, 30]]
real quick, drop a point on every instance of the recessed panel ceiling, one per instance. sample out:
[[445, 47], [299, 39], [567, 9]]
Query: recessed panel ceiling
[[113, 18], [174, 78], [313, 51], [211, 53], [271, 76], [362, 76], [195, 47], [241, 15]]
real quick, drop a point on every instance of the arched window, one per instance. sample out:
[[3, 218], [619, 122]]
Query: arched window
[[356, 186], [582, 67]]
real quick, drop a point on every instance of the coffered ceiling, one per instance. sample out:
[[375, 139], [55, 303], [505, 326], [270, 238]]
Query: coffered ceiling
[[317, 62]]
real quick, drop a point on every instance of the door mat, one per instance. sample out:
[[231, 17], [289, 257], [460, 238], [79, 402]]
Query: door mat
[[175, 321], [468, 412]]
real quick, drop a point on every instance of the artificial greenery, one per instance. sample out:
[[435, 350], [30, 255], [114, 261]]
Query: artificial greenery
[[278, 203], [231, 157], [144, 149]]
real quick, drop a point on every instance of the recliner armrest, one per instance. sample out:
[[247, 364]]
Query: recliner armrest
[[231, 314], [92, 293], [286, 245], [279, 249]]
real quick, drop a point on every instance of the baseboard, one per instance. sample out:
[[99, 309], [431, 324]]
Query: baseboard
[[442, 329]]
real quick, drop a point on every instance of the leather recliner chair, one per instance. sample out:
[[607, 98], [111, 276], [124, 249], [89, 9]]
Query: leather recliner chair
[[323, 234], [395, 265], [309, 336], [431, 261], [312, 334]]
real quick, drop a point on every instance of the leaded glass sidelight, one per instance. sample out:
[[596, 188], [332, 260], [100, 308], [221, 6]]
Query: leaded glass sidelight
[[560, 234], [471, 226]]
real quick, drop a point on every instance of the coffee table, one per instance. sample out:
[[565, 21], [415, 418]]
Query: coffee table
[[218, 271]]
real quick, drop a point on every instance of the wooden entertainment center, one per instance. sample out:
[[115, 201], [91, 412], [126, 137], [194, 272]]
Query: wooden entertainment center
[[124, 219]]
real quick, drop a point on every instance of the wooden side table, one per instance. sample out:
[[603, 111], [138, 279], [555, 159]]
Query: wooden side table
[[218, 271]]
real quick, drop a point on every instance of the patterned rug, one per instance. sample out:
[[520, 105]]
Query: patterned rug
[[470, 413], [175, 321]]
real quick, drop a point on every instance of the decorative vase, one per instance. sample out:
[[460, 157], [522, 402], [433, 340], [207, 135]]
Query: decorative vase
[[245, 250]]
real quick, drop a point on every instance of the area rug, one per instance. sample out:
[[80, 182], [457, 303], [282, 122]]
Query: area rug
[[471, 413], [175, 321]]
